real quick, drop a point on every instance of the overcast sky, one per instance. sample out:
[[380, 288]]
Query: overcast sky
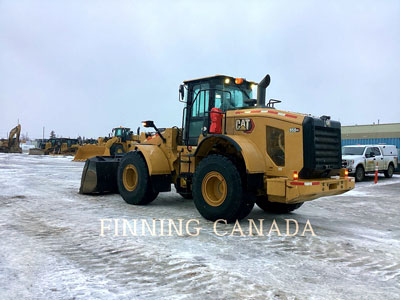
[[84, 67]]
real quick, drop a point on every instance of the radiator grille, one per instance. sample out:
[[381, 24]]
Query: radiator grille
[[327, 148], [321, 147]]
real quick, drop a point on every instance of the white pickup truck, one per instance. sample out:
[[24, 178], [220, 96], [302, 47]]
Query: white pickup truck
[[362, 159]]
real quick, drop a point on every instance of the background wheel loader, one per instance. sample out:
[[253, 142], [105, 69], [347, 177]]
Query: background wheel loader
[[120, 143], [231, 152], [11, 145], [56, 146]]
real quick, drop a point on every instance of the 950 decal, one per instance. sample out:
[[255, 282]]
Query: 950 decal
[[294, 129]]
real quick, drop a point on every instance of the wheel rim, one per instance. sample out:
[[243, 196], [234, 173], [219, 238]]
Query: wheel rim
[[390, 171], [130, 177], [214, 188]]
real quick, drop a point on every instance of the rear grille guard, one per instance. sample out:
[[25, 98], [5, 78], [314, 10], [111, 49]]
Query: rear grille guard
[[321, 148]]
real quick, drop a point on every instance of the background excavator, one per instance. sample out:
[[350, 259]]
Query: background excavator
[[11, 145], [120, 143]]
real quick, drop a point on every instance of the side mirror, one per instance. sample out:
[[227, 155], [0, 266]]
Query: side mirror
[[181, 93]]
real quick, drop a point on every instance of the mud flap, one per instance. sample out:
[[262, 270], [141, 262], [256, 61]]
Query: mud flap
[[99, 175]]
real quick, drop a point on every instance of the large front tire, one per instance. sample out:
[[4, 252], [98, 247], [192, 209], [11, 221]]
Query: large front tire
[[134, 182], [218, 192], [117, 149]]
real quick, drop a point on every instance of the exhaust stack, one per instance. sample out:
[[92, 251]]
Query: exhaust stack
[[262, 86]]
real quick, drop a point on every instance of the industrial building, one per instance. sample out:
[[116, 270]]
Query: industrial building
[[372, 134]]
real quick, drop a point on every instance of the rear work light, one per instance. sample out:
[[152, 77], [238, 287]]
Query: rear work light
[[295, 175]]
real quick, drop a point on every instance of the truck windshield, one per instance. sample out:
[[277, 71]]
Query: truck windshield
[[353, 150]]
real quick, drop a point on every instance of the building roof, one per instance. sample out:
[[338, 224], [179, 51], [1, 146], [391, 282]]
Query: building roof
[[372, 131]]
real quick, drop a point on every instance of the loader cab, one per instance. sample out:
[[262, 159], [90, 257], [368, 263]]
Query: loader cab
[[201, 95], [122, 132]]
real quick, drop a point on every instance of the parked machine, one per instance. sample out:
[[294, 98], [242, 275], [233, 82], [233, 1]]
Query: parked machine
[[120, 143], [364, 159], [56, 146], [11, 145], [231, 152]]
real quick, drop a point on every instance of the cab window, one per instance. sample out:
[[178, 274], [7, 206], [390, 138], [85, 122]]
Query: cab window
[[371, 150], [276, 145], [201, 99], [377, 151], [229, 97]]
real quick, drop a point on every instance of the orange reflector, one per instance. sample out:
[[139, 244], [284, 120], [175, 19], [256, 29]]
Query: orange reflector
[[238, 80], [295, 175]]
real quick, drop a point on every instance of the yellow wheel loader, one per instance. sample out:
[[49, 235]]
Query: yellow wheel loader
[[11, 145], [231, 152], [119, 144], [56, 146]]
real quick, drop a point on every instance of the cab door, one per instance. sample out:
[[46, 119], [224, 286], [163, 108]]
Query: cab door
[[198, 113], [370, 159], [379, 158]]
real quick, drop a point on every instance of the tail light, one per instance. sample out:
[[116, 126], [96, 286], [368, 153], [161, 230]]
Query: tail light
[[346, 173], [295, 175]]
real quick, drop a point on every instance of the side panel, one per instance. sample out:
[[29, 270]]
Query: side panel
[[156, 160], [254, 159]]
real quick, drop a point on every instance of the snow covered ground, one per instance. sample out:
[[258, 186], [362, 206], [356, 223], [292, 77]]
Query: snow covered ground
[[51, 245]]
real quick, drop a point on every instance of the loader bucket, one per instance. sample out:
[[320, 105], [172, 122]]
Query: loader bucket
[[99, 175], [88, 151], [37, 151]]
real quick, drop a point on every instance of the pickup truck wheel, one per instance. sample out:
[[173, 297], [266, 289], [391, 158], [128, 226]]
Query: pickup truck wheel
[[360, 174], [276, 207], [217, 190], [389, 172]]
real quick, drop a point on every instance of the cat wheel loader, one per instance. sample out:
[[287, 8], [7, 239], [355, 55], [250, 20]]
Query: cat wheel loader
[[231, 152], [120, 143], [11, 145], [56, 146]]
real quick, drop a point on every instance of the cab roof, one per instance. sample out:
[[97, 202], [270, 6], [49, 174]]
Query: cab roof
[[217, 76]]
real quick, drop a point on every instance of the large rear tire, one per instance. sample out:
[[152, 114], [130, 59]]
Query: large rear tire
[[134, 182], [217, 190], [389, 172], [276, 207]]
